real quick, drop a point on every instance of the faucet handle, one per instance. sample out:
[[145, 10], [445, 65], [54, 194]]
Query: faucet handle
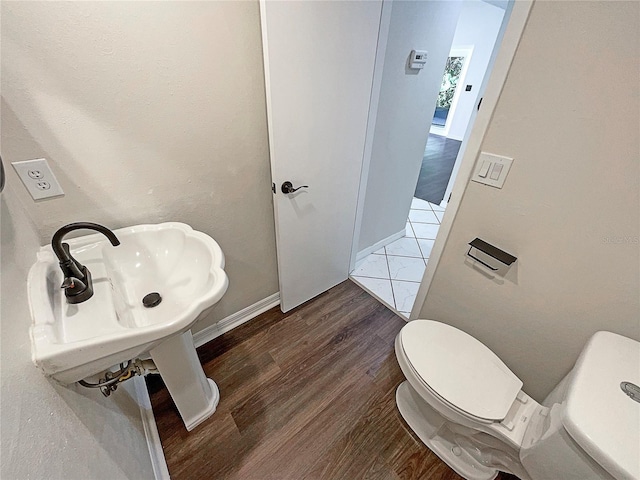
[[76, 290], [73, 283]]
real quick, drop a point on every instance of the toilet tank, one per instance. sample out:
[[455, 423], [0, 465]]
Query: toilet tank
[[595, 432], [548, 452]]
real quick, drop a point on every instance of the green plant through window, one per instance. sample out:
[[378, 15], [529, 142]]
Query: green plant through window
[[452, 72]]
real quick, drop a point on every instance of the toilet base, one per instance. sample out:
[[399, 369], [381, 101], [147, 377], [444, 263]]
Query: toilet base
[[432, 429]]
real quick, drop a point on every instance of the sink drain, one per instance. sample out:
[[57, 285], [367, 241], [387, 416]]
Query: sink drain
[[151, 300]]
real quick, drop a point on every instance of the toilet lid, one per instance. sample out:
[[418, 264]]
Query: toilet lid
[[460, 369]]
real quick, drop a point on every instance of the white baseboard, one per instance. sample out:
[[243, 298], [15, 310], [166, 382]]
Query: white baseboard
[[235, 320], [158, 462], [378, 245]]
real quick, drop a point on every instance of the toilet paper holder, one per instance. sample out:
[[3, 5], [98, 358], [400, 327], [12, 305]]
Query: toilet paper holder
[[492, 251]]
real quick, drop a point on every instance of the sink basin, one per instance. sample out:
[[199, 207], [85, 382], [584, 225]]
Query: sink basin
[[72, 342]]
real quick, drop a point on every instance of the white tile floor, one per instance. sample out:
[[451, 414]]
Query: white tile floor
[[393, 273]]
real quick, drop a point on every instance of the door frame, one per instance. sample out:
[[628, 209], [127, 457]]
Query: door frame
[[381, 49], [483, 86], [512, 36]]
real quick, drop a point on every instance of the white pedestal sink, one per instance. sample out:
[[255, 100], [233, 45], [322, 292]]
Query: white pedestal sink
[[72, 342]]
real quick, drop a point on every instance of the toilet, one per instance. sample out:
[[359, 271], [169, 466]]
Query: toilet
[[466, 405]]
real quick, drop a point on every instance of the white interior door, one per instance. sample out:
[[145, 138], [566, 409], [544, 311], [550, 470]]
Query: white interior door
[[319, 60]]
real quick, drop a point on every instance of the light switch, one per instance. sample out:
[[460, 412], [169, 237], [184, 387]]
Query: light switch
[[484, 170], [492, 169], [495, 173]]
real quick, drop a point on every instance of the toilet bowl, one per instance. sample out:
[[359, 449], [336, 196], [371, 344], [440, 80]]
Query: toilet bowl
[[468, 407]]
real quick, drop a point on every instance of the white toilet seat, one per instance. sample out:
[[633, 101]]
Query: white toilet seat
[[434, 395], [475, 382]]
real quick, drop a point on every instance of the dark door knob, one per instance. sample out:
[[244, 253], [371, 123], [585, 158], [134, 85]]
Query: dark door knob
[[287, 187]]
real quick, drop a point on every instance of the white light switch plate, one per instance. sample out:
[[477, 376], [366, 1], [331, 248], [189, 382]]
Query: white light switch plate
[[492, 169], [38, 178]]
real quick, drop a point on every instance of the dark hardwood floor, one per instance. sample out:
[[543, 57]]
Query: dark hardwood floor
[[437, 165], [309, 394]]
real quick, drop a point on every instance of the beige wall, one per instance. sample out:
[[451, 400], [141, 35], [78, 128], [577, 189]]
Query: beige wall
[[147, 112], [407, 103], [570, 207]]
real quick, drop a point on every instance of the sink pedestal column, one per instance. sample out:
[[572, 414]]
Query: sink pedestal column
[[195, 395]]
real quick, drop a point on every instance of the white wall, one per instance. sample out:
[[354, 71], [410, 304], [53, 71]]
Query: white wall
[[478, 26], [147, 112], [569, 114], [407, 103], [50, 431]]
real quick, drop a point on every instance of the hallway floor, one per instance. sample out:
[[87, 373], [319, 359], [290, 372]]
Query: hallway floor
[[393, 273], [437, 164]]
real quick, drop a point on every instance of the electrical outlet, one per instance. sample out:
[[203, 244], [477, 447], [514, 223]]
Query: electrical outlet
[[38, 178]]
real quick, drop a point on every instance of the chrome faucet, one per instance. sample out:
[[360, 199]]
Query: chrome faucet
[[77, 283]]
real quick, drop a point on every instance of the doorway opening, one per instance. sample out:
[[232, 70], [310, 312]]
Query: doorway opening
[[455, 71], [441, 151], [392, 268]]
